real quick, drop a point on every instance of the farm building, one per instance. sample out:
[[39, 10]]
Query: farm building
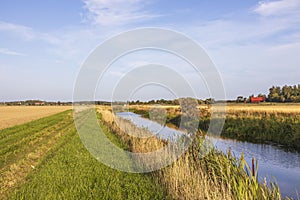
[[257, 99]]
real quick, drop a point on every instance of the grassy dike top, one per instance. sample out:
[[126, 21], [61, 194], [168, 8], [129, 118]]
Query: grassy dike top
[[45, 159]]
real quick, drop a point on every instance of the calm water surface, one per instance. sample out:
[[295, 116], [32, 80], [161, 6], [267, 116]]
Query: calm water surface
[[274, 163]]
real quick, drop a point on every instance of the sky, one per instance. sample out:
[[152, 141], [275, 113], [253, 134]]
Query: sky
[[43, 44]]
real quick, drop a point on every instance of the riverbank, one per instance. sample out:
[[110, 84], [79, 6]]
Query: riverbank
[[277, 124], [262, 127]]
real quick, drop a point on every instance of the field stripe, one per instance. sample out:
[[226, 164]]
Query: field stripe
[[68, 171], [16, 144], [20, 164]]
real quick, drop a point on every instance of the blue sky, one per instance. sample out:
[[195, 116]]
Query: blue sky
[[254, 44]]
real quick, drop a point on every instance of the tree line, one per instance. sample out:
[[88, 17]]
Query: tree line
[[284, 94], [277, 94], [172, 102]]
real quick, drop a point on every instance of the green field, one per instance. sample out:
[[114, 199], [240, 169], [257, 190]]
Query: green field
[[45, 159]]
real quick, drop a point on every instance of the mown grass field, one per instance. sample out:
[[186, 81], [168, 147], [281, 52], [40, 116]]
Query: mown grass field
[[14, 115], [45, 159]]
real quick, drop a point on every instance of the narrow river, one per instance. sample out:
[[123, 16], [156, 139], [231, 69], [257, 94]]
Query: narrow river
[[274, 163]]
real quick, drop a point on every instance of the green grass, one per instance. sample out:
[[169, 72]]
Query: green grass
[[15, 142], [285, 131], [65, 169]]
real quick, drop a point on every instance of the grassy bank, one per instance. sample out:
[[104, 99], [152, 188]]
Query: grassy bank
[[264, 127], [260, 127], [215, 176], [45, 159]]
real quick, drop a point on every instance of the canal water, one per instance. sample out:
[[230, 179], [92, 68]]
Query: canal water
[[274, 163]]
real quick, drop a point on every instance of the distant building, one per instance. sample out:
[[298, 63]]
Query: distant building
[[257, 99], [39, 103]]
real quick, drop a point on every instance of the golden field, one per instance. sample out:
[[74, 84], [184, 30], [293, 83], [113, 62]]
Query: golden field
[[235, 107], [281, 108], [15, 115]]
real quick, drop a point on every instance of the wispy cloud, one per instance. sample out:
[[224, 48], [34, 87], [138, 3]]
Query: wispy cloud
[[27, 33], [116, 12], [281, 7], [9, 52], [262, 41], [274, 23]]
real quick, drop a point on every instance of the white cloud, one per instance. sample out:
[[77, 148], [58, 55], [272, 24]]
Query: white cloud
[[9, 52], [116, 12], [281, 7]]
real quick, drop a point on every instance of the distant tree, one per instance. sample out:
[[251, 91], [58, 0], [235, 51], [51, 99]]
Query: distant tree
[[151, 102], [176, 102], [262, 95], [209, 101], [240, 99], [284, 94]]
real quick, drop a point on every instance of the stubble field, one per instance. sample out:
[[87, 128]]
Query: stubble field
[[15, 115]]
